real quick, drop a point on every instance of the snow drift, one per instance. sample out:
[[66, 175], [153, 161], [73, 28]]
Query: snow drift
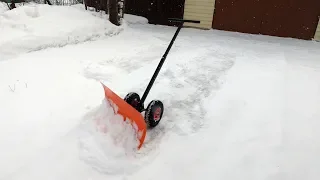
[[38, 26], [3, 7], [128, 18], [106, 142], [132, 19]]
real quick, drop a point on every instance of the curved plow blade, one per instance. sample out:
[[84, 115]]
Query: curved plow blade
[[128, 112]]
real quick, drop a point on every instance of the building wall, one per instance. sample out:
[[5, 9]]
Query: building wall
[[299, 19], [317, 35], [201, 10]]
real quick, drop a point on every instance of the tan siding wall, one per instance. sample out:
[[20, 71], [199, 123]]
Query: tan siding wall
[[317, 35], [201, 10]]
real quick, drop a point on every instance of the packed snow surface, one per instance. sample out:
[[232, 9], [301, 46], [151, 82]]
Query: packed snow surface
[[236, 106]]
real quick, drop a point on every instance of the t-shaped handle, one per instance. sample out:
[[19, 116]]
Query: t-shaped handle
[[183, 20]]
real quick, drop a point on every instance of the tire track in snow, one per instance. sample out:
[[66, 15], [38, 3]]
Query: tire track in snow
[[201, 74]]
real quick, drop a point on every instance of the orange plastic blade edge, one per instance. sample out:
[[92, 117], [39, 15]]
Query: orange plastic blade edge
[[128, 112]]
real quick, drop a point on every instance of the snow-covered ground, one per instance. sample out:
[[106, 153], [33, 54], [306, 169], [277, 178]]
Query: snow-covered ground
[[236, 106], [34, 27]]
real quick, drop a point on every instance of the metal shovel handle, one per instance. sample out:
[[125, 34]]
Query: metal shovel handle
[[153, 78]]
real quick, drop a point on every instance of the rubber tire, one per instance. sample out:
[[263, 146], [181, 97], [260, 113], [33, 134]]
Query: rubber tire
[[150, 111], [131, 98]]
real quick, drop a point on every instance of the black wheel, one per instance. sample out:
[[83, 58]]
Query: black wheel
[[154, 113], [133, 99]]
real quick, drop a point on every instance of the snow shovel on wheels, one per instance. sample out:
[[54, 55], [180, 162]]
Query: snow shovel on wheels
[[132, 106]]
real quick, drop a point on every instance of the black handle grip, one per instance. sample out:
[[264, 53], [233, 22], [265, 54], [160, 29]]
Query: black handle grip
[[183, 20]]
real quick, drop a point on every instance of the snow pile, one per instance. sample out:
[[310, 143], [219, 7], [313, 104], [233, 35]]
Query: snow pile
[[128, 18], [3, 7], [38, 26], [133, 19], [108, 143]]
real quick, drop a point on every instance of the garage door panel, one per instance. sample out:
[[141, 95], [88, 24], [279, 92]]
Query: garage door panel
[[305, 21], [284, 18], [240, 15], [276, 18]]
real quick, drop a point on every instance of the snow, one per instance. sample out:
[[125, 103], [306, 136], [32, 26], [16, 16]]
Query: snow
[[132, 19], [3, 7], [35, 27], [236, 106]]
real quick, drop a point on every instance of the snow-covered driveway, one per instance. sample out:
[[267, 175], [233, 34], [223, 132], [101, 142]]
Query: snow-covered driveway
[[236, 106]]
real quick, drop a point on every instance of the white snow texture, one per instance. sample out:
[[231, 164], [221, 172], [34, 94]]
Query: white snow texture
[[237, 106]]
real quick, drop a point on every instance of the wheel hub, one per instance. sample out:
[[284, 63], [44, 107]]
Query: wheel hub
[[156, 114]]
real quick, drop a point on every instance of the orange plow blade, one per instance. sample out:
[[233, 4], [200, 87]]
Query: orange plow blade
[[128, 112]]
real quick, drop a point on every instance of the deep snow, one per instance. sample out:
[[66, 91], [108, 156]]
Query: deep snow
[[34, 27], [236, 106]]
